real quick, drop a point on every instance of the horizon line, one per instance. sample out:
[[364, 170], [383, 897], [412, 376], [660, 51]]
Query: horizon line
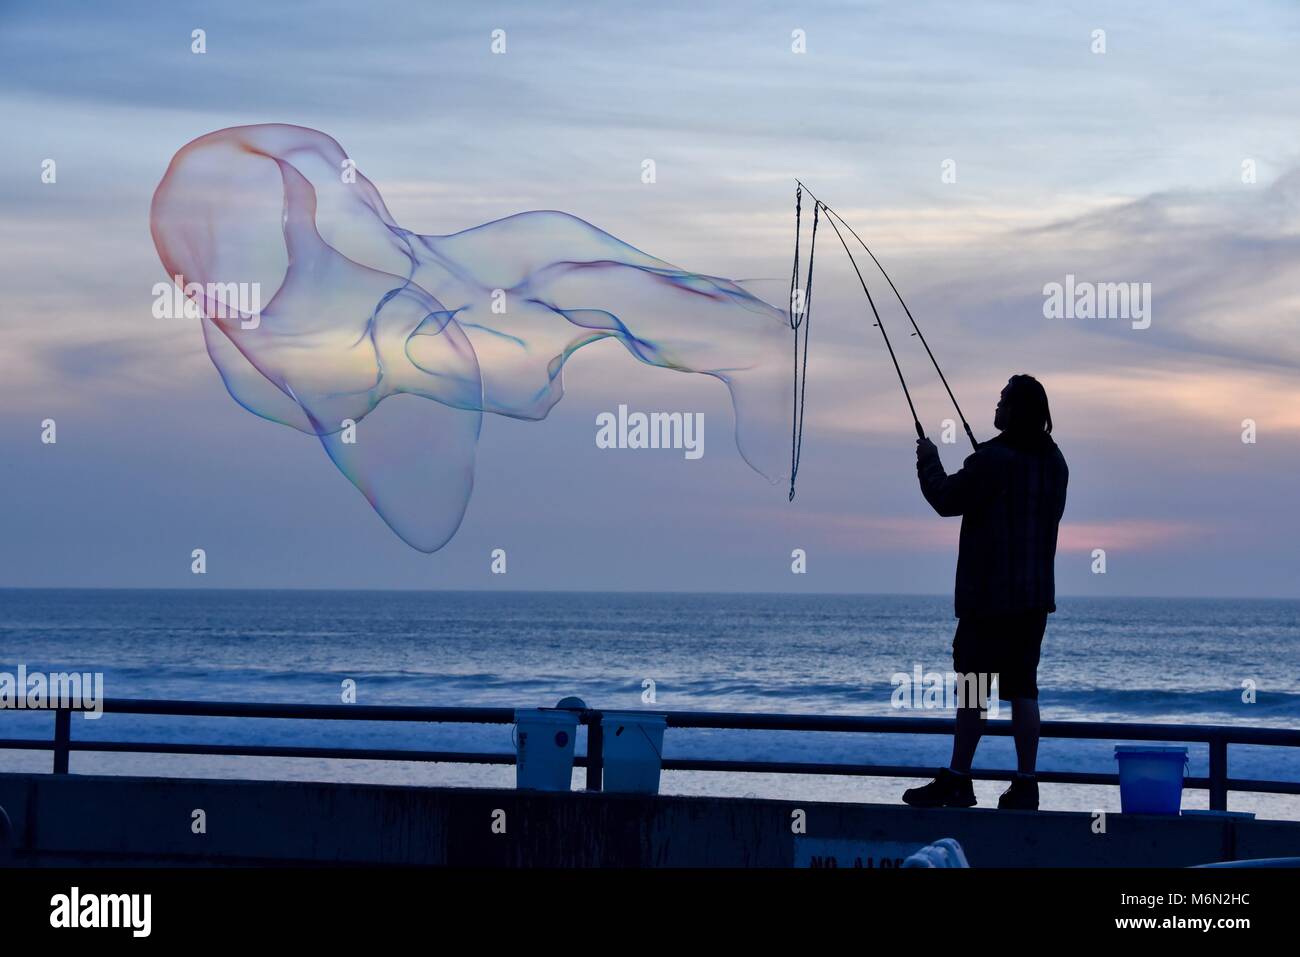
[[611, 591]]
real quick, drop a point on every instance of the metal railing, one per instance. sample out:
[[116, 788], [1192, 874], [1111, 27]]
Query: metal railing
[[1217, 737]]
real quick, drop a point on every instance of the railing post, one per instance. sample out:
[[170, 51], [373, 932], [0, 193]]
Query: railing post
[[595, 751], [1218, 774], [62, 739]]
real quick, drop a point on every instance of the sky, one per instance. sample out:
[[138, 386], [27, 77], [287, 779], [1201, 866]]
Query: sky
[[985, 151]]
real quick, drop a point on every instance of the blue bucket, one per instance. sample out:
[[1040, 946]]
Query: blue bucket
[[1150, 778]]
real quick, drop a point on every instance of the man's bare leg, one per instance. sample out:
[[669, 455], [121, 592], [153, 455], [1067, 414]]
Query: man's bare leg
[[1025, 726], [966, 738]]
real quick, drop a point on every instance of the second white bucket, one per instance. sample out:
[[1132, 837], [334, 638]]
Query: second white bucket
[[544, 749], [633, 751]]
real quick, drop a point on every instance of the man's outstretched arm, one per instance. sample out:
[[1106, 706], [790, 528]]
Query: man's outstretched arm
[[947, 494]]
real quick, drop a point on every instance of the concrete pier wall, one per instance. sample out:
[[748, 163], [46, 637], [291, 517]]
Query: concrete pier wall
[[75, 820]]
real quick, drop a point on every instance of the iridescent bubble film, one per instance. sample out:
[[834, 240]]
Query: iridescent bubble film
[[361, 319]]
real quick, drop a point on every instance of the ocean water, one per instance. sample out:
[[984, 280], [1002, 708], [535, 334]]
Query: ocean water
[[1150, 660]]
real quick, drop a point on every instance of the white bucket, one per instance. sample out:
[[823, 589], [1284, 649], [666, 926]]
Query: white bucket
[[544, 749], [633, 751]]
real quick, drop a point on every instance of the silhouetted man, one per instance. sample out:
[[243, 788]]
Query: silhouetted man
[[1010, 495]]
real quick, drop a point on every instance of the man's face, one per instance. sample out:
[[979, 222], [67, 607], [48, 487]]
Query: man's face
[[1000, 417]]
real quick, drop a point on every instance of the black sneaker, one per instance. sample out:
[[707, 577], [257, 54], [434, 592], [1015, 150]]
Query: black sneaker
[[1022, 795], [949, 789]]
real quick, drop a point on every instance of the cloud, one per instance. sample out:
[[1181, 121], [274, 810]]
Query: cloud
[[892, 533], [1131, 535], [1224, 267]]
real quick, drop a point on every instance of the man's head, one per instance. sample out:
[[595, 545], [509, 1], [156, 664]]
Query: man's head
[[1022, 408]]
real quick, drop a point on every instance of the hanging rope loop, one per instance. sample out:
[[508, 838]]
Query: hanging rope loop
[[800, 310]]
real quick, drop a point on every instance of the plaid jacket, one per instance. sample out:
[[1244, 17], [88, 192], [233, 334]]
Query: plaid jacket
[[1010, 495]]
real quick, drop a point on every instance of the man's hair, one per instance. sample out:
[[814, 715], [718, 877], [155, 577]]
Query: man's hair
[[1027, 410]]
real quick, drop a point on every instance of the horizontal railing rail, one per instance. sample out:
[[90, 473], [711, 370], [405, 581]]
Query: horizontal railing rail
[[1216, 737]]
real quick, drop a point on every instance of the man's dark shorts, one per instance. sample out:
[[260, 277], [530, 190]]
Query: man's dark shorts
[[1005, 645]]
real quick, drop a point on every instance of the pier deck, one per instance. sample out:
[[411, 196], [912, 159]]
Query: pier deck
[[80, 820]]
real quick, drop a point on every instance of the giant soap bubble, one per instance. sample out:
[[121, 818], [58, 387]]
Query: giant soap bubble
[[361, 319]]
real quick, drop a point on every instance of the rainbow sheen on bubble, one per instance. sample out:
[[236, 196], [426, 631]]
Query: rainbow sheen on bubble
[[362, 319]]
